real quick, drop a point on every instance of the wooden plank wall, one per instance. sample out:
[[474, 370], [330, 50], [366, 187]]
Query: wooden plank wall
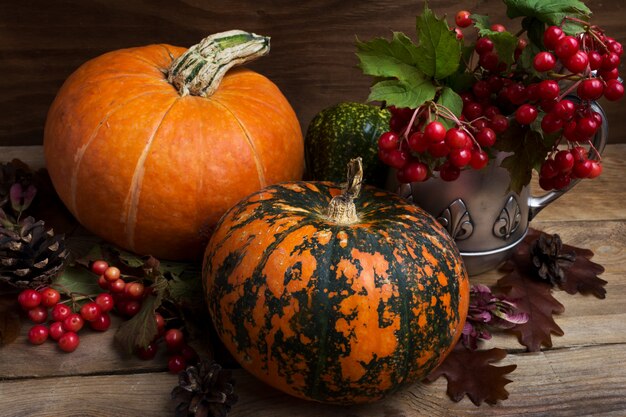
[[312, 58]]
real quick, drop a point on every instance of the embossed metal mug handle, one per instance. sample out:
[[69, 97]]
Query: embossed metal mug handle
[[536, 204]]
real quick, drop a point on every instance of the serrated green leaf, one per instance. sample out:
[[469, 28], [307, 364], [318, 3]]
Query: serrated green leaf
[[453, 102], [528, 149], [130, 259], [504, 42], [534, 29], [461, 81], [187, 289], [77, 279], [551, 12], [141, 329], [403, 93], [388, 59], [439, 49]]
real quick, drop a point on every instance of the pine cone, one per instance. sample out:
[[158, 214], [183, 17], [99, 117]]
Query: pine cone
[[205, 390], [30, 255], [548, 260]]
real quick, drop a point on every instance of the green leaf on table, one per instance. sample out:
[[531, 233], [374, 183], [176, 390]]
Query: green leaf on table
[[453, 102], [77, 279], [504, 43], [551, 12], [141, 329], [388, 59], [403, 93], [439, 49]]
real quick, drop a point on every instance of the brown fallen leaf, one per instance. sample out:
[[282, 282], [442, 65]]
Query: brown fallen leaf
[[582, 276], [471, 373]]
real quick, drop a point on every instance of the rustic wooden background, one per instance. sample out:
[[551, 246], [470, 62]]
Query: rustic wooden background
[[312, 58]]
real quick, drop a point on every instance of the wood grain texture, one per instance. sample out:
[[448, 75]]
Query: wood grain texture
[[583, 374], [312, 58], [568, 382]]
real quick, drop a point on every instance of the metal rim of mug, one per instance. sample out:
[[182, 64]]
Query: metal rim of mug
[[498, 250]]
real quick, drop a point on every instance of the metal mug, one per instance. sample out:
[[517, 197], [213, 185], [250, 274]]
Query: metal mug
[[485, 219]]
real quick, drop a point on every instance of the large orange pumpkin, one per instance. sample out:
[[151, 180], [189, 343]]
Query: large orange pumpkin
[[151, 167]]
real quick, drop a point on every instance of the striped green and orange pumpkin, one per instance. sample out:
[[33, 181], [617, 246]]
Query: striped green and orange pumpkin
[[330, 308]]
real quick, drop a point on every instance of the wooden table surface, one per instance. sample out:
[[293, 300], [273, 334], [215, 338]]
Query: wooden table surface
[[583, 374]]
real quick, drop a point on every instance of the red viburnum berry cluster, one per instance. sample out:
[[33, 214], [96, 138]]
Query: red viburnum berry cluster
[[419, 144], [61, 320]]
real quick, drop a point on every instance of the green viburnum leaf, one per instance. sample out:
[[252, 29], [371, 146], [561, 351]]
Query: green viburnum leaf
[[534, 29], [529, 150], [77, 279], [504, 42], [141, 329], [403, 93], [450, 99], [551, 12], [389, 59], [186, 288], [439, 49]]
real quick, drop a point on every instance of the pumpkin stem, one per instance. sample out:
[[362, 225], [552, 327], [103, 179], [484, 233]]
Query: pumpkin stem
[[341, 209], [199, 71]]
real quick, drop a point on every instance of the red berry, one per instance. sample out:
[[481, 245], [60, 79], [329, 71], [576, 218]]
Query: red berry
[[90, 311], [29, 298], [73, 323], [105, 301], [566, 47], [582, 169], [456, 138], [112, 274], [103, 283], [415, 171], [544, 61], [438, 149], [189, 354], [117, 286], [546, 183], [483, 46], [549, 169], [38, 334], [49, 297], [595, 60], [56, 330], [577, 62], [526, 114], [587, 126], [552, 36], [129, 307], [499, 123], [148, 352], [449, 172], [614, 90], [596, 169], [174, 339], [609, 61], [460, 157], [548, 90], [580, 153], [101, 323], [570, 131], [486, 137], [60, 312], [564, 161], [38, 314], [518, 94], [418, 142], [98, 267], [388, 141], [435, 132], [69, 341], [561, 181], [481, 89], [489, 112], [176, 364], [458, 33], [551, 123], [479, 159], [564, 109], [160, 321], [473, 110], [462, 19], [489, 61], [616, 47], [134, 290], [497, 27], [590, 89], [397, 159]]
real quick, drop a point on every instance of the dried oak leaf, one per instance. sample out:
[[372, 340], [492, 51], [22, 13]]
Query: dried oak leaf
[[470, 372], [535, 299]]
